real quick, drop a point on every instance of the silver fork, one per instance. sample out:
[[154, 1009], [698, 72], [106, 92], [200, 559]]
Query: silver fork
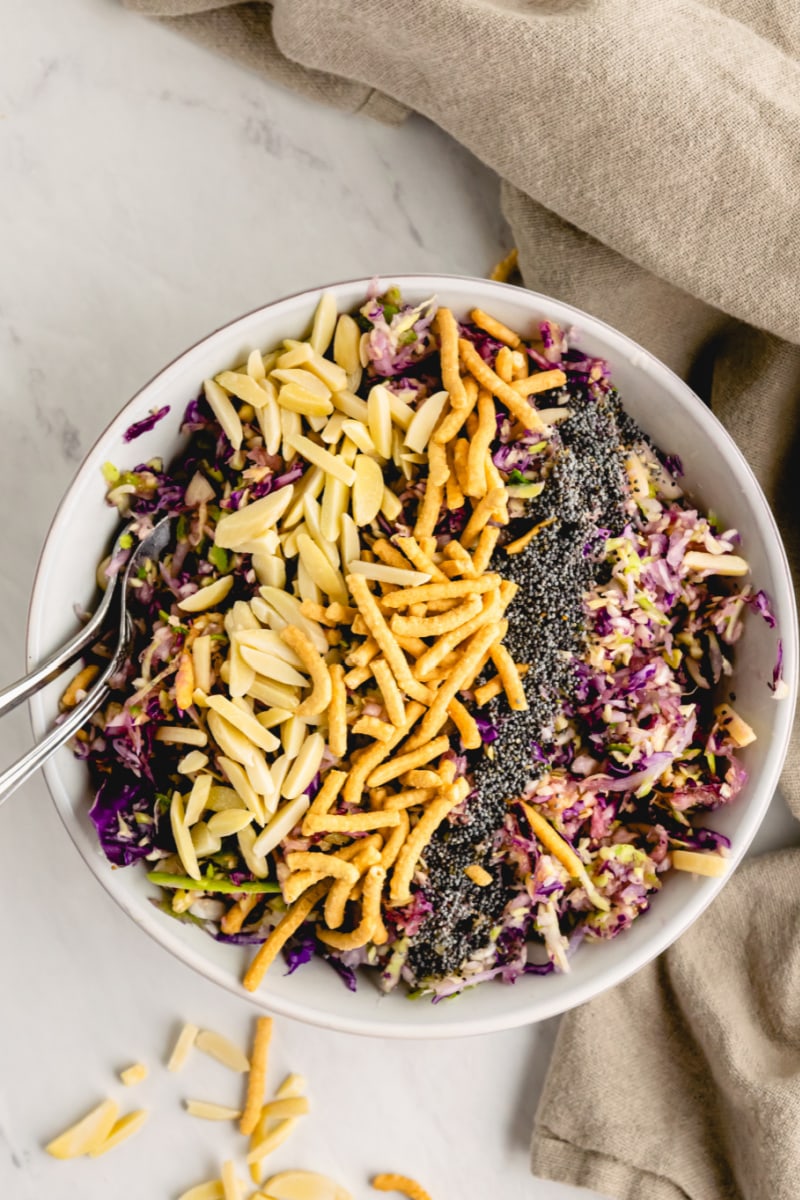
[[152, 547], [71, 651]]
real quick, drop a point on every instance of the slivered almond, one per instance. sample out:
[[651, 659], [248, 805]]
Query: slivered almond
[[270, 692], [391, 506], [221, 798], [353, 408], [324, 323], [244, 388], [212, 1189], [204, 841], [231, 1187], [304, 1185], [379, 420], [311, 485], [328, 580], [279, 1110], [349, 542], [240, 673], [223, 1050], [270, 569], [183, 840], [303, 379], [242, 786], [304, 768], [195, 760], [382, 573], [291, 426], [253, 520], [293, 734], [198, 798], [233, 743], [120, 1131], [244, 722], [201, 657], [273, 716], [232, 820], [331, 464], [207, 597], [288, 607], [710, 865], [740, 733], [367, 490], [329, 372], [268, 641], [224, 411], [255, 862], [137, 1073], [332, 433], [211, 1112], [296, 353], [715, 564], [255, 366], [335, 500], [260, 778], [297, 399], [186, 1039], [345, 344], [425, 418], [269, 421], [270, 666], [281, 825], [306, 587], [402, 413], [85, 1134], [359, 434]]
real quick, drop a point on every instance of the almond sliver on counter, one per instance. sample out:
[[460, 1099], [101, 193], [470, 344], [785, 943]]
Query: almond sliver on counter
[[137, 1073], [86, 1134], [223, 1050], [211, 1112], [212, 1189], [186, 1039], [122, 1129], [304, 1185], [270, 1133]]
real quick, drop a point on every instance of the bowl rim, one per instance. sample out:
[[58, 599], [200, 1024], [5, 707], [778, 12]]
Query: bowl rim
[[536, 1009]]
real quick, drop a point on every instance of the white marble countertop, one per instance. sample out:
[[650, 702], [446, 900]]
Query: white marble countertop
[[151, 192]]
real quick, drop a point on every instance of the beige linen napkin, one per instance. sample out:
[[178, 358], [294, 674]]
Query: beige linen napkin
[[650, 157], [685, 1082]]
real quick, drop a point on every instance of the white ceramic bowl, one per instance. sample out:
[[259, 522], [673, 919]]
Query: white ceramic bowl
[[716, 475]]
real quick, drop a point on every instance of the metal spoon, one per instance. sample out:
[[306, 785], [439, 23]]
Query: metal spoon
[[152, 547]]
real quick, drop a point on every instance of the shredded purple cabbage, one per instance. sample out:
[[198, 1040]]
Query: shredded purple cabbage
[[300, 954], [123, 817], [145, 425]]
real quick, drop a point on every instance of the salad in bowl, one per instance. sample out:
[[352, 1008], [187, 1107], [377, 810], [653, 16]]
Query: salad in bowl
[[438, 681]]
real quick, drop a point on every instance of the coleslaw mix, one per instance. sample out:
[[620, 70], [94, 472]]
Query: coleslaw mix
[[628, 603]]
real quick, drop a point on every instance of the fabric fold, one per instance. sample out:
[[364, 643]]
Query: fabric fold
[[690, 1071]]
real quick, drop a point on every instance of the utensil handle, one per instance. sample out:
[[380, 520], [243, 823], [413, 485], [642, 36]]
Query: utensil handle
[[23, 768], [15, 775], [55, 663]]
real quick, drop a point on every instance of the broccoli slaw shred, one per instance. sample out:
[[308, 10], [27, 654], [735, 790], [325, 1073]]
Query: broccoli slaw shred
[[435, 677]]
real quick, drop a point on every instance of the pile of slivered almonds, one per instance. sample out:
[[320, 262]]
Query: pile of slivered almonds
[[370, 656], [267, 1122]]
